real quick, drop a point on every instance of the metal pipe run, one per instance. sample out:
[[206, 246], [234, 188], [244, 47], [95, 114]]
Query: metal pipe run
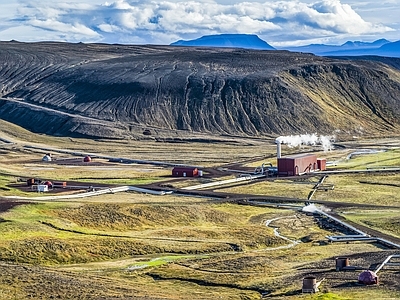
[[352, 228], [111, 158], [388, 243], [222, 182], [315, 188], [94, 193], [350, 236], [360, 236], [351, 239], [386, 261], [5, 141]]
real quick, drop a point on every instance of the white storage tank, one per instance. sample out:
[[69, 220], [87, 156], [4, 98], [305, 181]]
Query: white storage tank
[[42, 188], [47, 157]]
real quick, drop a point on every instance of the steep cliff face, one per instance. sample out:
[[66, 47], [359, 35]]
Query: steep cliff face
[[114, 90]]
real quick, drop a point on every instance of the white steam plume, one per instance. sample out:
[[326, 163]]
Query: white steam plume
[[312, 208], [307, 139]]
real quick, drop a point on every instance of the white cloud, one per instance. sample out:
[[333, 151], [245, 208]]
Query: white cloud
[[341, 18], [163, 22], [108, 28], [54, 25]]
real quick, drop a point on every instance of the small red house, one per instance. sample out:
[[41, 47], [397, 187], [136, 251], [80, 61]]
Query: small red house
[[185, 172], [87, 158]]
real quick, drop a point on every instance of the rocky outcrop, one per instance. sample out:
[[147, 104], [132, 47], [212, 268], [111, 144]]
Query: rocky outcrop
[[118, 90]]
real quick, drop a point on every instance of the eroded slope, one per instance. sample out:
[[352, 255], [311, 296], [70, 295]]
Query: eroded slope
[[116, 90]]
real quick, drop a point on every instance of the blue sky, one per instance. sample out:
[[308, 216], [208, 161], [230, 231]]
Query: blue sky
[[280, 23]]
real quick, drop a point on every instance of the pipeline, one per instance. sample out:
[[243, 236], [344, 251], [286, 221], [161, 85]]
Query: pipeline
[[222, 182], [351, 228], [315, 188], [111, 158], [360, 236], [386, 262], [93, 193]]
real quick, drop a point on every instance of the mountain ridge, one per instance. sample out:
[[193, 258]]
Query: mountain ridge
[[246, 41], [361, 48], [118, 91], [349, 48]]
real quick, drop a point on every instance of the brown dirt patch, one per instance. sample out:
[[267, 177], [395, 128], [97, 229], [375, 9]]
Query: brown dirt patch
[[5, 204]]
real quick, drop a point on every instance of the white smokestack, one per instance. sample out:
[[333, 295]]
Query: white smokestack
[[278, 149]]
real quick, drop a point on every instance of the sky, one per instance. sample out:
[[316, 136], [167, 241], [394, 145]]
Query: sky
[[280, 23]]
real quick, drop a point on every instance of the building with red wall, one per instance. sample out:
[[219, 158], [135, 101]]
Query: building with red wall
[[185, 172], [321, 164], [297, 164]]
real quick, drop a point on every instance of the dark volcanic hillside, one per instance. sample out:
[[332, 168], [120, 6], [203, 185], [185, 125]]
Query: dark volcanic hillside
[[115, 90]]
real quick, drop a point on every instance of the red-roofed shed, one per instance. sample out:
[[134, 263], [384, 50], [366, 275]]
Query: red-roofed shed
[[185, 172]]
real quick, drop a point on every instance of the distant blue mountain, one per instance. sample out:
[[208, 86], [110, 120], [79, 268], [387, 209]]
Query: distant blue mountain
[[380, 47], [358, 44], [353, 47], [246, 41], [393, 48]]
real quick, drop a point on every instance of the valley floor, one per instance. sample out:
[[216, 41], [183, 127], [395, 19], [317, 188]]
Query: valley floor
[[206, 244]]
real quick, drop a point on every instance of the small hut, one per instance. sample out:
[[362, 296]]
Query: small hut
[[309, 285], [41, 188], [48, 183], [47, 157], [367, 277], [341, 263], [185, 172], [87, 159]]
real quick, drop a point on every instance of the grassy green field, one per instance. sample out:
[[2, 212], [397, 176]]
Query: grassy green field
[[369, 189], [387, 221], [139, 246]]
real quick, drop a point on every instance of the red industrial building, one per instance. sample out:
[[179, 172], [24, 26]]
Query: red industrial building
[[185, 172], [299, 164], [321, 164]]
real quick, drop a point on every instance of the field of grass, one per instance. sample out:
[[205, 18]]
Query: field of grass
[[387, 221], [58, 232], [139, 246], [278, 187], [202, 154], [377, 189], [367, 188], [383, 158]]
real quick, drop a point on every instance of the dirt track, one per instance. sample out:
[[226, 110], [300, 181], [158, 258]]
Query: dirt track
[[7, 204]]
